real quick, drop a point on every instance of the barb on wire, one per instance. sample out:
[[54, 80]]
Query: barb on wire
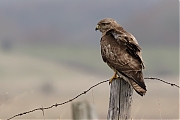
[[152, 78], [58, 104]]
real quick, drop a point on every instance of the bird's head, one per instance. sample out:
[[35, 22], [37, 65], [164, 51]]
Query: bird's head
[[106, 24]]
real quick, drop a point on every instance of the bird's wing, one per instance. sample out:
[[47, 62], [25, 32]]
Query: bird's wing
[[130, 42], [123, 55]]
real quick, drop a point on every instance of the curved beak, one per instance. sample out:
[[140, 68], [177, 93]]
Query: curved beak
[[97, 27]]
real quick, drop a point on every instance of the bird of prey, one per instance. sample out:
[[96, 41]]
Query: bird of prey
[[121, 52]]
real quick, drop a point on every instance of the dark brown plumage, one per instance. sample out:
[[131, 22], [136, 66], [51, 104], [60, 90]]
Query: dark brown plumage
[[121, 52]]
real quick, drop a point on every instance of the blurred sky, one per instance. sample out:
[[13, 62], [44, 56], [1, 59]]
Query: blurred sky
[[50, 52], [153, 22]]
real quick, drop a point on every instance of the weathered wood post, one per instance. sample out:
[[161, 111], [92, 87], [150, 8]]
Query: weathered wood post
[[83, 110], [120, 100]]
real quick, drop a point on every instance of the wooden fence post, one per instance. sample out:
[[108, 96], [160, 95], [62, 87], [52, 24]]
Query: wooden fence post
[[83, 110], [120, 100]]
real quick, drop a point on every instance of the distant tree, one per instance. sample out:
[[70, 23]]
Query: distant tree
[[6, 45]]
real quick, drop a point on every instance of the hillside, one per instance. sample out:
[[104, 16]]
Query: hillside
[[28, 82]]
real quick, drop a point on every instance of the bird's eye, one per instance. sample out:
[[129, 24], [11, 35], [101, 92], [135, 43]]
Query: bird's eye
[[105, 23]]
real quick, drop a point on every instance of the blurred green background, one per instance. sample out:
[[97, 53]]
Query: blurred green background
[[50, 52]]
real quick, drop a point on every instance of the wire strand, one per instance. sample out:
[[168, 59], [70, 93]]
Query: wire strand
[[84, 92]]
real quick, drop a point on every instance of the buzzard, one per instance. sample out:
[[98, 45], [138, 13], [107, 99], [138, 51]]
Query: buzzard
[[121, 52]]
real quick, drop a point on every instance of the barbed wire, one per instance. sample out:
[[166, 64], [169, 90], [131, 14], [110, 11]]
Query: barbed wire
[[152, 78], [59, 104]]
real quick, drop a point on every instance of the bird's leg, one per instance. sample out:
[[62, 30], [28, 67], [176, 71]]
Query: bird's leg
[[114, 77]]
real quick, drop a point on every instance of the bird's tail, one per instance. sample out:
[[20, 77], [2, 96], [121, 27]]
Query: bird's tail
[[137, 88]]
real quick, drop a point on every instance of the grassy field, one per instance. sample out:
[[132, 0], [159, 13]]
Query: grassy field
[[158, 61], [32, 77]]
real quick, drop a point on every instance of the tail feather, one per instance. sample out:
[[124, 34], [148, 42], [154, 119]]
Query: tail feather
[[137, 88]]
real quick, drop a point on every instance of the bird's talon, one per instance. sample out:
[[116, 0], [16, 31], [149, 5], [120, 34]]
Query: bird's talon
[[114, 77], [110, 81]]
